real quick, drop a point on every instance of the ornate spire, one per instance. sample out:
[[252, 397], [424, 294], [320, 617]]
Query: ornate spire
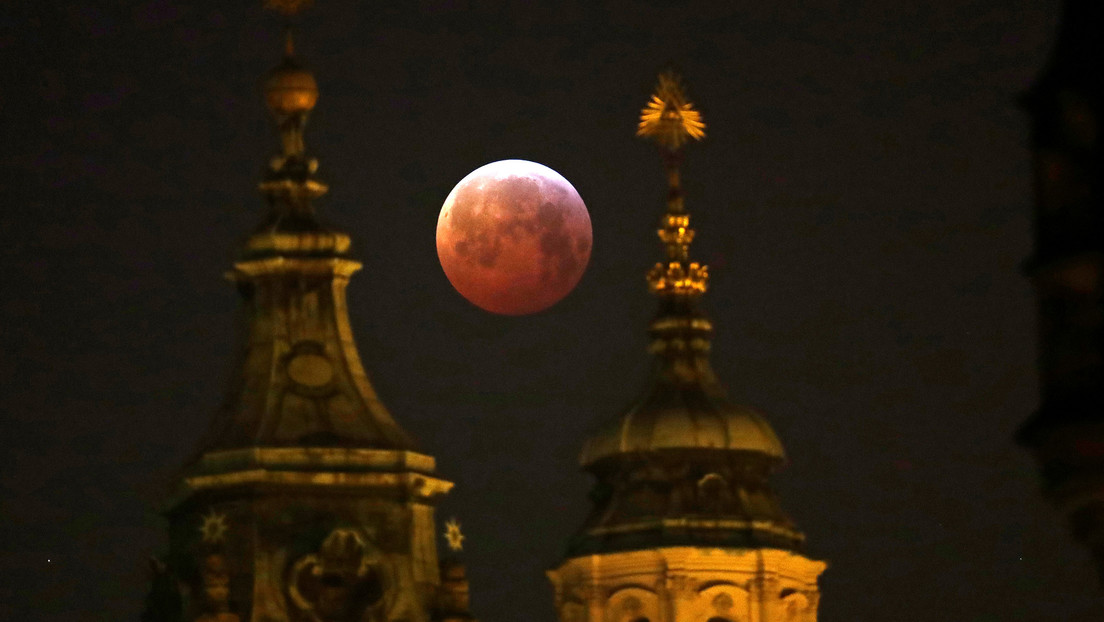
[[301, 382], [682, 499], [671, 121], [290, 93], [683, 433]]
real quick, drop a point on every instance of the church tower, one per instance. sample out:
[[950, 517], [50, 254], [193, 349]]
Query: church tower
[[305, 501], [684, 526]]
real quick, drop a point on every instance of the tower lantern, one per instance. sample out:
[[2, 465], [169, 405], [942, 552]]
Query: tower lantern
[[684, 525]]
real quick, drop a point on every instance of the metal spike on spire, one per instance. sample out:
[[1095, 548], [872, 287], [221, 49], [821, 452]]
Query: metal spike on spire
[[289, 42]]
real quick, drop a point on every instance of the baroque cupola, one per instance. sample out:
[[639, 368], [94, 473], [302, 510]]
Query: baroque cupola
[[683, 455], [684, 526]]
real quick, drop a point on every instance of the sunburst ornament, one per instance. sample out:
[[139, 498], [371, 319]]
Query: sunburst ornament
[[453, 536], [214, 527], [669, 117]]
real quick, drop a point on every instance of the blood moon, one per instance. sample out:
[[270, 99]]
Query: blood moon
[[514, 237]]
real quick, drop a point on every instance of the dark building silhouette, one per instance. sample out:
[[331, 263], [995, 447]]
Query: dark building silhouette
[[1066, 434]]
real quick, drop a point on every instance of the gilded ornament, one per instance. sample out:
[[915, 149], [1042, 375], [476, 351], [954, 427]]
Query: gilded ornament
[[669, 117], [453, 535], [214, 527], [341, 581]]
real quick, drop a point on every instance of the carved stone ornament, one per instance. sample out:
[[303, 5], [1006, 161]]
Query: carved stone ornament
[[309, 369], [795, 605], [344, 580]]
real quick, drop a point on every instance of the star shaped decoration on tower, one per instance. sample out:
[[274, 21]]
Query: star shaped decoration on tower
[[214, 527], [453, 536], [668, 117]]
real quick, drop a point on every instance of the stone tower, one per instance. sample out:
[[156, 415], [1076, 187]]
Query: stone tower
[[1066, 433], [684, 526], [305, 500]]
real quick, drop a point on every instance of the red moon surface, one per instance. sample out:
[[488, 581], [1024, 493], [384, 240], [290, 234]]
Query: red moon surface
[[514, 237]]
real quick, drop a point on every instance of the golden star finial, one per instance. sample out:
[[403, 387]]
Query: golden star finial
[[453, 536], [214, 527], [668, 117]]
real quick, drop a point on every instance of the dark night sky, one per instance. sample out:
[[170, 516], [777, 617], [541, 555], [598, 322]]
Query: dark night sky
[[862, 199]]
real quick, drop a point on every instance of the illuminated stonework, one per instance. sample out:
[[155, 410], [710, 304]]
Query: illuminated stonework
[[688, 584]]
